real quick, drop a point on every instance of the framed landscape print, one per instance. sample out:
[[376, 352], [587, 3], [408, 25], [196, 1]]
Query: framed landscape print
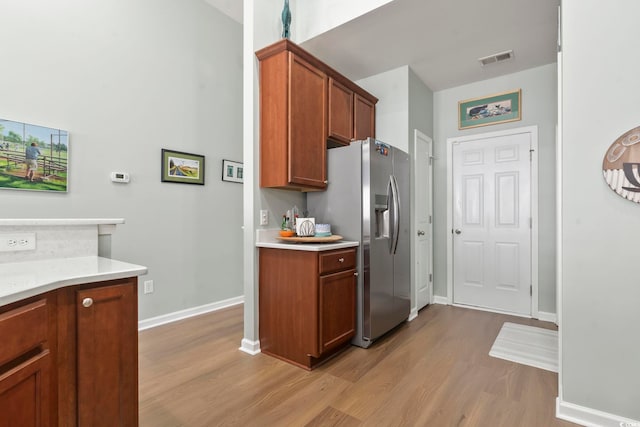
[[33, 157], [183, 168], [490, 110]]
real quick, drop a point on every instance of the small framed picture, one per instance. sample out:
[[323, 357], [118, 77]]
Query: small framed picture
[[183, 168], [232, 171], [490, 110]]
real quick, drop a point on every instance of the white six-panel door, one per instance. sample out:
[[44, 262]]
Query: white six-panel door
[[423, 219], [492, 223]]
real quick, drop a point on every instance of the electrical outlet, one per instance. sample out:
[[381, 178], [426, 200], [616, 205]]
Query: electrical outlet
[[264, 217], [148, 286], [17, 242]]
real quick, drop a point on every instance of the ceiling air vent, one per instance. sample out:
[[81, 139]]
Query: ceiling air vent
[[496, 57]]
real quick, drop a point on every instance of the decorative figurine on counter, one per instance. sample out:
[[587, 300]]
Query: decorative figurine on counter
[[286, 20]]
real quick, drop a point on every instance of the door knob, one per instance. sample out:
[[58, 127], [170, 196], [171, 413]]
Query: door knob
[[458, 231], [420, 233], [87, 302]]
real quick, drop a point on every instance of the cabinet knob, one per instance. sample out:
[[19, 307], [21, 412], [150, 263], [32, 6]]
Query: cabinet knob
[[341, 259], [355, 274], [326, 182], [87, 302]]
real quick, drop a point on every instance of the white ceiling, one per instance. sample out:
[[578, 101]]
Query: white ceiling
[[441, 40], [232, 8]]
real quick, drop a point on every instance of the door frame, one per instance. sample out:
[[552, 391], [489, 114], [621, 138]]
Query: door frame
[[533, 131], [414, 279]]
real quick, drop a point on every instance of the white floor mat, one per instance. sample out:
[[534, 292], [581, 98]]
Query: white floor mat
[[528, 345]]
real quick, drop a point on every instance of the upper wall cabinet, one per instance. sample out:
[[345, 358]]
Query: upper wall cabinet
[[305, 107], [364, 118]]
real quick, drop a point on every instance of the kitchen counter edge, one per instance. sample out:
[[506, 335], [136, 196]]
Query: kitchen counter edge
[[268, 238], [312, 247], [20, 280]]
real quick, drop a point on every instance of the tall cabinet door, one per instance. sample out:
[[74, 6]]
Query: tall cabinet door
[[307, 129], [107, 352]]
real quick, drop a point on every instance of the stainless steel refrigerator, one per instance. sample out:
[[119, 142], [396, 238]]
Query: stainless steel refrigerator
[[367, 200]]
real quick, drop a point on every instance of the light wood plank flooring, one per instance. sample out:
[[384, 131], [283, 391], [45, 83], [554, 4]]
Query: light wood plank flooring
[[433, 371]]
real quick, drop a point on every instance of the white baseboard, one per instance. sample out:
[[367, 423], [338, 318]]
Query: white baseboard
[[591, 417], [547, 317], [250, 347], [190, 312], [440, 300], [413, 314]]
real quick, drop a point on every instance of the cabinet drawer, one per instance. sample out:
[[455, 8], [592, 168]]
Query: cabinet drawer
[[22, 329], [337, 260]]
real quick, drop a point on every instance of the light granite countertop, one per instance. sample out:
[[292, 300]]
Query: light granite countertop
[[268, 238], [20, 280]]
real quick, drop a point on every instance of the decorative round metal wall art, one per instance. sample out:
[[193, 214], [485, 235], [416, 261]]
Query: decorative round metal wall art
[[621, 165]]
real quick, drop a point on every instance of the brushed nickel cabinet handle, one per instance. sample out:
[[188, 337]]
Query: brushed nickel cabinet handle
[[341, 259], [87, 302]]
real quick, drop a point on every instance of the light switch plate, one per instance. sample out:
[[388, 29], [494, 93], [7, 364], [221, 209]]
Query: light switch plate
[[148, 286], [264, 217]]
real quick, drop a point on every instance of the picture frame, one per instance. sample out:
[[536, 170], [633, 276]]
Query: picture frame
[[181, 167], [232, 171], [490, 110], [33, 157]]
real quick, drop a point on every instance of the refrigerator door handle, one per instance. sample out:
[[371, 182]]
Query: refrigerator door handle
[[390, 202], [396, 213]]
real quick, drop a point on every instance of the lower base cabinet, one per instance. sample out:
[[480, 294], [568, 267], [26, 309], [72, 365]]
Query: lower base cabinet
[[25, 393], [69, 357], [98, 383], [307, 303], [27, 341]]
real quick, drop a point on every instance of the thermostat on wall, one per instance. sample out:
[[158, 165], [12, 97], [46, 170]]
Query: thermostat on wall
[[120, 177]]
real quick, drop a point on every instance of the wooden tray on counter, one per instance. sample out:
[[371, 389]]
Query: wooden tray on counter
[[327, 239]]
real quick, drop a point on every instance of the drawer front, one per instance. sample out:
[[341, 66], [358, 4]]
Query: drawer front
[[333, 261], [22, 329]]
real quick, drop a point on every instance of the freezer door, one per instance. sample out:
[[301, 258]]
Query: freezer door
[[377, 240]]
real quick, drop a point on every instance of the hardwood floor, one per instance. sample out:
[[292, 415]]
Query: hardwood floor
[[433, 371]]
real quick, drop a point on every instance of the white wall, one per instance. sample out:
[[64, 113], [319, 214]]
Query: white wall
[[127, 79], [392, 110], [600, 321], [313, 18], [420, 107], [539, 95]]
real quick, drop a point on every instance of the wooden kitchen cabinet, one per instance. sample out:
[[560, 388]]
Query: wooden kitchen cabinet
[[293, 99], [364, 118], [307, 303], [340, 112], [99, 358], [305, 108], [107, 351], [351, 116], [25, 365]]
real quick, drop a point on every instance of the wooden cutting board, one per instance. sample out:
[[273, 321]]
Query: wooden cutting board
[[327, 239]]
